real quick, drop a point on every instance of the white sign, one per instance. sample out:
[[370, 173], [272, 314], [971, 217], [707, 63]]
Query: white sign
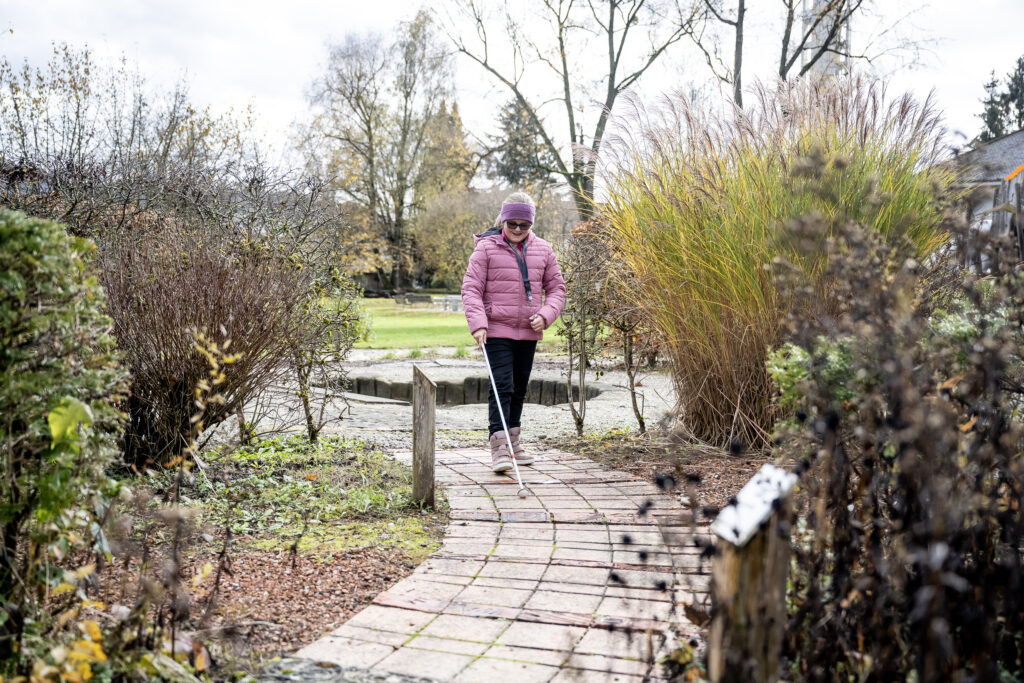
[[738, 523]]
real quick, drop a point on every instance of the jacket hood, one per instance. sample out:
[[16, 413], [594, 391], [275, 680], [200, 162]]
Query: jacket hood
[[486, 233], [496, 232]]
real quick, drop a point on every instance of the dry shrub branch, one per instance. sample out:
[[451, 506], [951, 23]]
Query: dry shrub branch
[[246, 298], [907, 560]]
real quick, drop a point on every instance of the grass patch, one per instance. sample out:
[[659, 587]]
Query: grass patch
[[413, 536], [418, 327], [334, 495], [412, 327]]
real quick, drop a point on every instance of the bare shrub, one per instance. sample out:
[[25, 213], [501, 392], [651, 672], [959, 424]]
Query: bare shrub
[[602, 314], [162, 284], [177, 199], [907, 561], [585, 269]]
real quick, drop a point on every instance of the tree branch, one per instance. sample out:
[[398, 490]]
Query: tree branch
[[707, 3]]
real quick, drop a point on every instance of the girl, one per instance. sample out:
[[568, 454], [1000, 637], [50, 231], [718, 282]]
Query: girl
[[512, 291]]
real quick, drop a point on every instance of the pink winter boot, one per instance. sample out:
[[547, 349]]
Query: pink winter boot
[[523, 457], [500, 460]]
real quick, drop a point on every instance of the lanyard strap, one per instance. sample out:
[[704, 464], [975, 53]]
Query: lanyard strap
[[521, 260]]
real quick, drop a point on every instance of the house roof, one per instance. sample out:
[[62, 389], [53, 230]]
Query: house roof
[[992, 161]]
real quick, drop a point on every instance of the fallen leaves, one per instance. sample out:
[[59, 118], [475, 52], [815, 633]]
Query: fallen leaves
[[269, 609]]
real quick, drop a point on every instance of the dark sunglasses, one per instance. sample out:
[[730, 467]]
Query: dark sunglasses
[[517, 226]]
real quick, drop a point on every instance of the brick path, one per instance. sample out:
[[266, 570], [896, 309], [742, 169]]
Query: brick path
[[570, 583]]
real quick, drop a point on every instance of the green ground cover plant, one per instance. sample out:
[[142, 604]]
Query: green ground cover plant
[[322, 497], [695, 207]]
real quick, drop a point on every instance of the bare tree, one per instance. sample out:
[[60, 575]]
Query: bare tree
[[808, 36], [629, 36], [819, 33], [715, 9], [373, 109]]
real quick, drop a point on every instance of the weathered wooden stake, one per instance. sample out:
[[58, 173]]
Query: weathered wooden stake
[[424, 394], [748, 580]]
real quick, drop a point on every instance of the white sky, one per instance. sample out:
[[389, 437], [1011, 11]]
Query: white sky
[[265, 53]]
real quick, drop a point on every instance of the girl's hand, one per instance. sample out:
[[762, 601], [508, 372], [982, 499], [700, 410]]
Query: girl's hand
[[480, 336], [537, 322]]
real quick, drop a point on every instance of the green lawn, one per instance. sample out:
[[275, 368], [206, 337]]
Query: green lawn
[[396, 326], [413, 327]]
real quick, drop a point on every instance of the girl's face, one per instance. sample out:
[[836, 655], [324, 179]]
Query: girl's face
[[516, 231]]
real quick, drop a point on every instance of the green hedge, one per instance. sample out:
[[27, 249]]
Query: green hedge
[[60, 386]]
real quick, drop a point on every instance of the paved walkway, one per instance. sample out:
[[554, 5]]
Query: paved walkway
[[570, 583]]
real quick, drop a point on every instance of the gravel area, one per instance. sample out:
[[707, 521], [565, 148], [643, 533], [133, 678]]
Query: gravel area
[[389, 423], [323, 672]]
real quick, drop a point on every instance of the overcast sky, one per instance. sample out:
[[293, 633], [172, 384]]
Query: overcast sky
[[265, 53]]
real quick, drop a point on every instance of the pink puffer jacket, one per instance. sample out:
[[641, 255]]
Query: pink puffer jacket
[[493, 293]]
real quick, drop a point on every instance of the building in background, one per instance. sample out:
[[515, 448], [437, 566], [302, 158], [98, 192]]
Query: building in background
[[994, 177], [835, 62]]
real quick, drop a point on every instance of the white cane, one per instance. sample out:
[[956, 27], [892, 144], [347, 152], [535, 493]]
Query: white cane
[[522, 489]]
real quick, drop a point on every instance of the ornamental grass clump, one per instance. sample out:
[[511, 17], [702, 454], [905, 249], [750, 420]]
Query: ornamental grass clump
[[695, 204]]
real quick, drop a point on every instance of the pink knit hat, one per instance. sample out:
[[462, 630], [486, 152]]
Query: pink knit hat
[[517, 212]]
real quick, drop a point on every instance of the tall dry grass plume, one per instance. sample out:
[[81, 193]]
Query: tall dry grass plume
[[696, 199]]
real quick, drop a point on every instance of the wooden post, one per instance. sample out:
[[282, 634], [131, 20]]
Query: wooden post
[[424, 394], [748, 580]]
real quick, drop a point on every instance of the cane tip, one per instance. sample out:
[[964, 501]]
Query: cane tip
[[523, 493]]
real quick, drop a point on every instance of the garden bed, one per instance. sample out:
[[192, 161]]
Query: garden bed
[[316, 533]]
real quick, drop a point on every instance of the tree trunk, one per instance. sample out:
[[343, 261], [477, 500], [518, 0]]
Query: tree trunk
[[583, 195], [579, 365], [629, 360], [302, 376], [737, 68]]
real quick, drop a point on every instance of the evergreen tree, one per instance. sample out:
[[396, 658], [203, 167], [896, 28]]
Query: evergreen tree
[[1015, 95], [520, 157], [994, 113], [447, 160], [1003, 106]]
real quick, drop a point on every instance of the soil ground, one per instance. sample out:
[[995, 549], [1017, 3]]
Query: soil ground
[[268, 604], [317, 533]]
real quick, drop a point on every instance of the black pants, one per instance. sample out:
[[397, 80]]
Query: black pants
[[511, 363]]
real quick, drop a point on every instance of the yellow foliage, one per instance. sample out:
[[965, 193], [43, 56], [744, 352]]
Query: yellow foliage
[[202, 575], [74, 665], [63, 588], [91, 630], [84, 571]]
